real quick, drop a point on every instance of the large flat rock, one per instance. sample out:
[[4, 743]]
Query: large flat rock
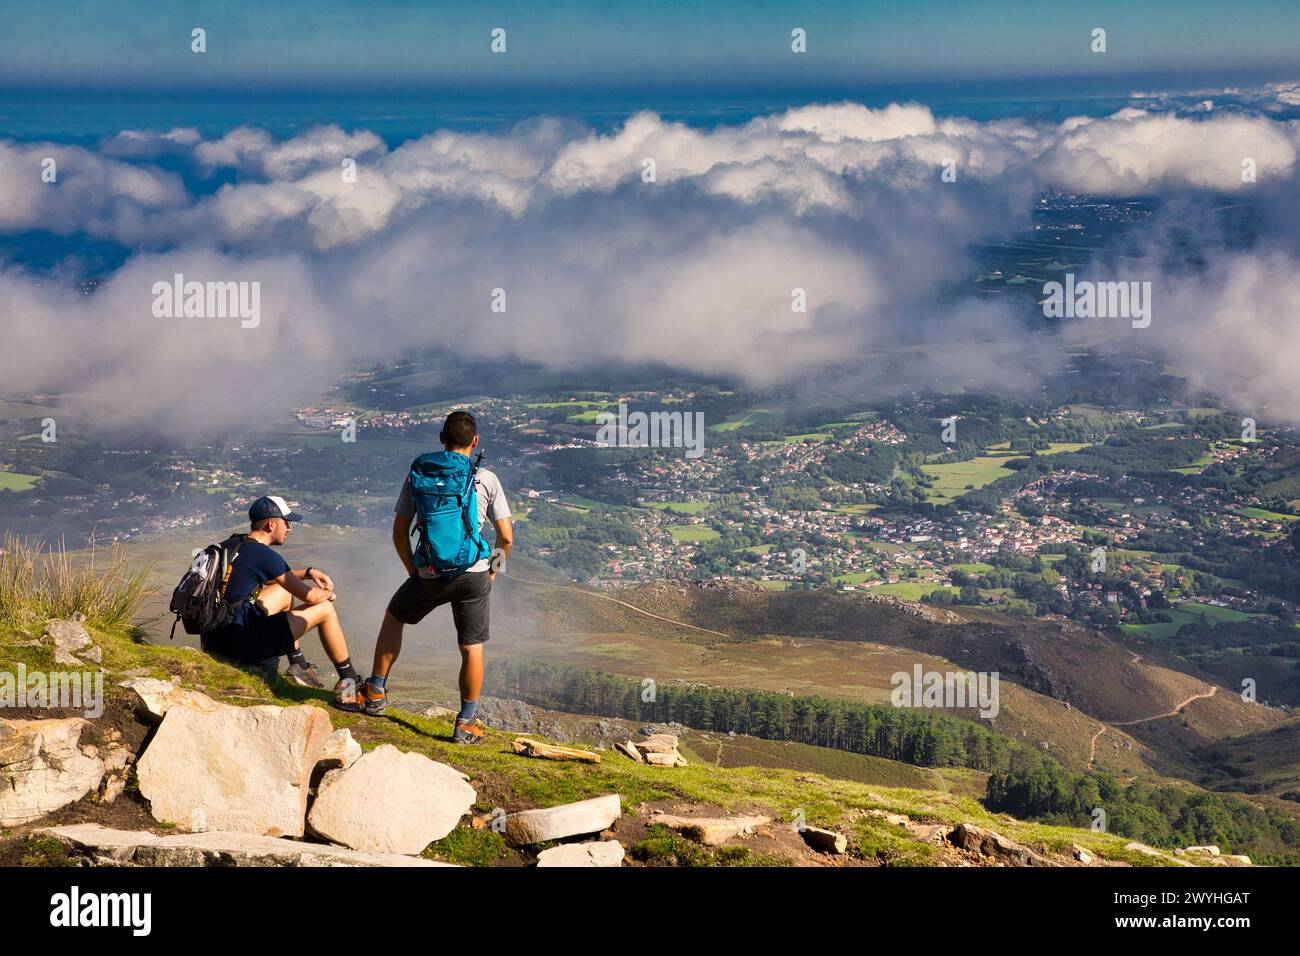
[[601, 853], [43, 768], [239, 769], [391, 802], [155, 697], [105, 847], [566, 820]]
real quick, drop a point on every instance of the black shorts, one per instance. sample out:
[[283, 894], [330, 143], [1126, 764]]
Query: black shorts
[[259, 638], [466, 593]]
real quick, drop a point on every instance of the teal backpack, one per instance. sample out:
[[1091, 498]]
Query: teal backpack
[[446, 509]]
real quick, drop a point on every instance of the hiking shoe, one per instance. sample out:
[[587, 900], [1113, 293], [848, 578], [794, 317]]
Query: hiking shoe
[[371, 700], [304, 676], [467, 732], [347, 696]]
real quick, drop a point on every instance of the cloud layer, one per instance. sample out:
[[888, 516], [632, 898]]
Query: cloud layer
[[364, 251]]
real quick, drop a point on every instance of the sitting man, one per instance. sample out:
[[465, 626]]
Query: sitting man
[[265, 625]]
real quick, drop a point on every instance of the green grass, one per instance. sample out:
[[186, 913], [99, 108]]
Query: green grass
[[855, 509], [742, 419], [910, 590], [807, 436], [975, 567], [693, 533], [37, 584], [1188, 612], [17, 480], [505, 779], [856, 578], [1266, 515], [950, 480], [679, 507]]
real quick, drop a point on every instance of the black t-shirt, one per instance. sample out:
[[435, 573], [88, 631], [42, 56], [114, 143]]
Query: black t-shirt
[[253, 566]]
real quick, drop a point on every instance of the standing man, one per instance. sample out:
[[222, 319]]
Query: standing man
[[449, 499]]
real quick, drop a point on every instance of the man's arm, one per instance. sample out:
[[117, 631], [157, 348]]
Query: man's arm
[[402, 542], [303, 591], [317, 577]]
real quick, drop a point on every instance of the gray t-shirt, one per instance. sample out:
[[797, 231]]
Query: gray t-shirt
[[491, 504]]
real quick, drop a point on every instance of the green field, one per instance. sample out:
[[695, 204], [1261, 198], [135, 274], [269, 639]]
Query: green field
[[808, 436], [17, 481], [590, 504], [950, 480], [976, 567], [1266, 515], [566, 404], [911, 591], [855, 509], [21, 411], [678, 507], [694, 533], [856, 578], [1189, 612], [742, 419]]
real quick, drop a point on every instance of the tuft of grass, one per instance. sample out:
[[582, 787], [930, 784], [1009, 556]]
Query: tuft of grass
[[44, 851], [39, 582], [468, 847], [667, 846]]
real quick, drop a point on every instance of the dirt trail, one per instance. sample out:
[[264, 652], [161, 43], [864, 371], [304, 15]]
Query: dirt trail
[[1092, 753]]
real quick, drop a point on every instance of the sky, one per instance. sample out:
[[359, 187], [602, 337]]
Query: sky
[[365, 245], [594, 44]]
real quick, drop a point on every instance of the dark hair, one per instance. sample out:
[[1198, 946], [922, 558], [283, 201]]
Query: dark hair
[[261, 524], [458, 430]]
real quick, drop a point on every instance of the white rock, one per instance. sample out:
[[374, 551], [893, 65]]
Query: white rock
[[566, 820], [602, 853], [106, 847], [340, 752], [243, 769], [390, 802], [68, 637], [42, 768], [155, 697]]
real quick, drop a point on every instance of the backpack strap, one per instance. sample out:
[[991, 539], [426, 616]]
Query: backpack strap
[[470, 527]]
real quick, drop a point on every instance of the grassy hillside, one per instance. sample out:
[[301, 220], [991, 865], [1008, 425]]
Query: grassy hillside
[[504, 779]]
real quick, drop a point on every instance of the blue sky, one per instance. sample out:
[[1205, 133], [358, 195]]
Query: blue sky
[[602, 43]]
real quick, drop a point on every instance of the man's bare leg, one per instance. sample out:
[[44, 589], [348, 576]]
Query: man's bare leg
[[388, 646], [325, 619], [471, 671]]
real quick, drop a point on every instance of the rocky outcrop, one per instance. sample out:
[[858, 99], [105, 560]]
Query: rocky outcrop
[[601, 853], [104, 847], [537, 748], [391, 802], [43, 768], [567, 820], [659, 749], [825, 841], [995, 846], [239, 769]]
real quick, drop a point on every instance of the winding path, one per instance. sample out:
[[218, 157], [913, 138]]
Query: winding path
[[1092, 754]]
